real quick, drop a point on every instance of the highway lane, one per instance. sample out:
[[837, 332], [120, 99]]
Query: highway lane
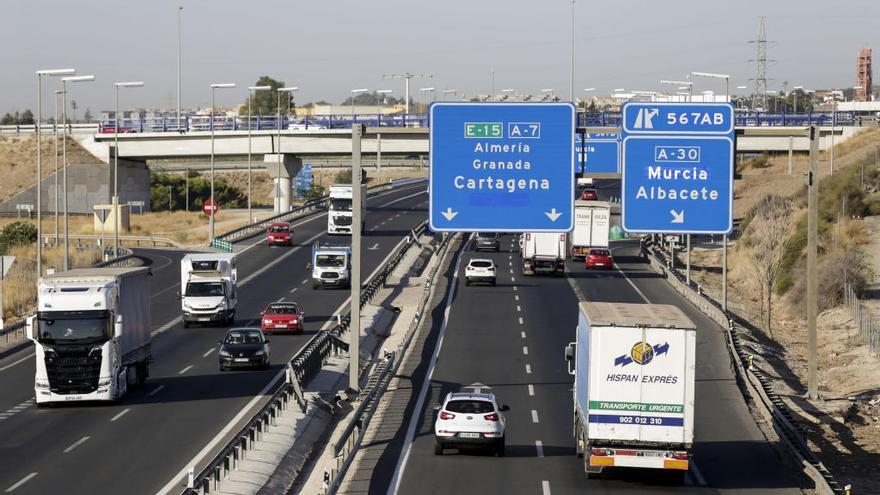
[[522, 360], [136, 446]]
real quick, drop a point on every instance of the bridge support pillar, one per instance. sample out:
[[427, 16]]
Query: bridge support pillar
[[282, 170]]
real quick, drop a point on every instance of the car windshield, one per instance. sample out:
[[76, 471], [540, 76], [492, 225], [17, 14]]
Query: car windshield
[[79, 330], [599, 252], [330, 260], [279, 228], [340, 204], [204, 289], [481, 264], [470, 406], [244, 337], [281, 309]]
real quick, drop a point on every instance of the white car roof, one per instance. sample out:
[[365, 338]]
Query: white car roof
[[481, 259], [470, 396]]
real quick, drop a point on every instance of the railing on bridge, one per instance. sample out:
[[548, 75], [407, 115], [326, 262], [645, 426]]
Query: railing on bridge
[[204, 123]]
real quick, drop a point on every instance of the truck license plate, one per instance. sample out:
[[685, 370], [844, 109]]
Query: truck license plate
[[469, 435], [73, 397]]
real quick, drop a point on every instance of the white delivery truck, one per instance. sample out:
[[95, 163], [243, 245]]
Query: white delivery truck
[[91, 334], [592, 220], [331, 266], [340, 214], [634, 386], [543, 252], [208, 288]]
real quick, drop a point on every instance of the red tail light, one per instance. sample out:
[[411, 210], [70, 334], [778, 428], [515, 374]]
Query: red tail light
[[491, 417], [599, 452], [446, 415], [681, 456]]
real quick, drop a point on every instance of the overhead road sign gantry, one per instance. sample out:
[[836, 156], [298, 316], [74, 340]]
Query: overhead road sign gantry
[[501, 167], [678, 168], [598, 152]]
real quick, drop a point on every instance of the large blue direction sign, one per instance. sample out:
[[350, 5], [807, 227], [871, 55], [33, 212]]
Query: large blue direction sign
[[678, 168], [502, 167], [601, 153]]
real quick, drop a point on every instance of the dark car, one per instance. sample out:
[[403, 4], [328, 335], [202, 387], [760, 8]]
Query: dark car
[[244, 348], [488, 241], [590, 195]]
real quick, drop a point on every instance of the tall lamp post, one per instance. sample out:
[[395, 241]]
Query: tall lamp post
[[742, 87], [64, 81], [288, 90], [713, 75], [214, 88], [548, 93], [354, 93], [449, 92], [127, 84], [57, 173], [251, 90], [587, 90], [40, 74], [794, 91], [179, 10], [425, 92], [687, 84]]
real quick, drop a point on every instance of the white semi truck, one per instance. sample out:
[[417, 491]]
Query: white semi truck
[[91, 334], [592, 220], [339, 217], [208, 288], [633, 387], [543, 252]]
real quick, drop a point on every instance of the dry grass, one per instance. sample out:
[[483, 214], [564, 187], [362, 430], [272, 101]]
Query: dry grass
[[18, 161]]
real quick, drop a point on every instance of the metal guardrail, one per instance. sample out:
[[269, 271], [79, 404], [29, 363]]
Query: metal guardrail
[[89, 128], [869, 327], [755, 383], [136, 239], [304, 366]]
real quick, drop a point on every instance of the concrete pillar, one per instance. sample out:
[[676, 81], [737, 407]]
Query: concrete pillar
[[282, 174]]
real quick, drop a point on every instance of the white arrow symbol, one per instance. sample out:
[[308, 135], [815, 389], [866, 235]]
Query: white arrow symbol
[[449, 214], [375, 247], [677, 217], [553, 214]]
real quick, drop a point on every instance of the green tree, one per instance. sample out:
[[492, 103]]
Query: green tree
[[227, 196], [7, 119], [266, 102], [17, 233], [374, 98], [313, 192], [26, 117], [88, 115]]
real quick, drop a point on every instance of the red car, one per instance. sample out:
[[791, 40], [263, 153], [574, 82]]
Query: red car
[[599, 258], [282, 317], [279, 233], [590, 195]]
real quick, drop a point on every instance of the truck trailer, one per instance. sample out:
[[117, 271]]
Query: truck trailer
[[543, 252], [634, 386], [91, 334], [592, 220]]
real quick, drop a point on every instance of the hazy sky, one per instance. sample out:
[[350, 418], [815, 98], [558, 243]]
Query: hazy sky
[[329, 47]]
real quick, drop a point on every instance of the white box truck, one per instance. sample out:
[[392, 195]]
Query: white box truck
[[340, 214], [634, 386], [543, 252], [330, 266], [592, 220], [208, 288], [91, 334]]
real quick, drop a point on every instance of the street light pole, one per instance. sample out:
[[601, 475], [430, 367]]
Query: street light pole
[[39, 129], [571, 80], [64, 81], [382, 92], [587, 90], [57, 191], [214, 87], [354, 93], [812, 253], [251, 90], [179, 10], [128, 84]]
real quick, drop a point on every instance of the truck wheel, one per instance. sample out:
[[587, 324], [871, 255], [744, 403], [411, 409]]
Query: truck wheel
[[438, 448], [315, 286]]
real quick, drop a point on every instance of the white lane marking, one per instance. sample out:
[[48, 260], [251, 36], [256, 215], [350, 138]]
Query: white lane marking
[[539, 446], [166, 326], [16, 409], [545, 487], [21, 482], [304, 282], [394, 485], [176, 285], [516, 297], [518, 308], [123, 413], [514, 288], [293, 290], [525, 350], [10, 365], [511, 271], [531, 390], [522, 334], [76, 444], [208, 353], [528, 369], [185, 370], [697, 474], [510, 256], [156, 390], [631, 282], [534, 416], [513, 279]]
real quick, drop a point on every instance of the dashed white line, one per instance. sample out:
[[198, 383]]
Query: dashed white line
[[293, 290], [185, 370], [513, 279], [698, 476], [21, 482], [166, 326], [522, 334], [539, 446], [518, 308], [545, 487], [208, 353], [516, 297], [16, 409], [534, 416], [76, 444], [514, 288], [10, 365], [531, 390], [525, 351], [156, 390], [305, 281], [123, 413], [529, 369], [520, 320]]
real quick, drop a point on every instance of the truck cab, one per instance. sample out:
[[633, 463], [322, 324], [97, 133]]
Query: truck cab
[[208, 288], [331, 266], [339, 216]]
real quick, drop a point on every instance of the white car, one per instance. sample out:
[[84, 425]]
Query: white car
[[470, 419], [480, 270]]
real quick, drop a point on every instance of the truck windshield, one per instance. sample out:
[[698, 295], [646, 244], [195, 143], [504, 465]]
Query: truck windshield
[[86, 327], [340, 204], [330, 260], [204, 289]]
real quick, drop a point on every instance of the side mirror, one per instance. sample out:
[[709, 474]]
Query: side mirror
[[569, 357], [308, 266], [178, 295], [29, 327], [117, 327], [505, 407], [262, 313]]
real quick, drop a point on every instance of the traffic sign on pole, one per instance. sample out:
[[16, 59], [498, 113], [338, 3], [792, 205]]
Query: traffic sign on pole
[[210, 207], [678, 163], [501, 167], [601, 153]]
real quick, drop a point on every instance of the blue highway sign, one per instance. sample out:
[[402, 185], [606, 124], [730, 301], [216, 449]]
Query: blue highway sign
[[501, 167], [602, 153], [678, 168]]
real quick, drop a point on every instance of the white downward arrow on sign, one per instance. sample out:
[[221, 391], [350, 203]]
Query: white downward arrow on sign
[[553, 214], [449, 214], [677, 217]]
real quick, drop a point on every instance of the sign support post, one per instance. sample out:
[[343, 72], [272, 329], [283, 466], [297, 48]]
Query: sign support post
[[354, 327]]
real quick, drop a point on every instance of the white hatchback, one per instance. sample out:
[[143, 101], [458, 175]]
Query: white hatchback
[[480, 270], [470, 420]]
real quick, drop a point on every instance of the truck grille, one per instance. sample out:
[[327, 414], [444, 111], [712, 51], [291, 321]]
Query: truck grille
[[329, 275], [342, 221], [71, 370]]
